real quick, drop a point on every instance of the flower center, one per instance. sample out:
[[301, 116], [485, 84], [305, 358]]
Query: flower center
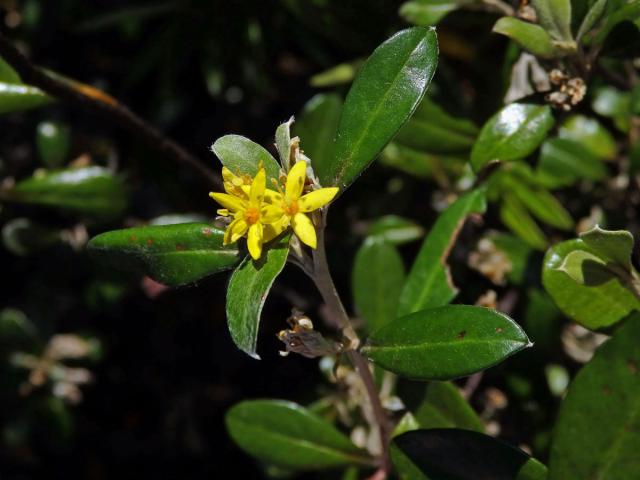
[[252, 215], [290, 208]]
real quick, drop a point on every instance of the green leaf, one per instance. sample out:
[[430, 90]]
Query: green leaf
[[562, 162], [429, 284], [612, 103], [395, 230], [289, 436], [170, 254], [532, 38], [53, 140], [429, 12], [378, 276], [555, 17], [625, 12], [340, 74], [586, 268], [445, 342], [614, 246], [407, 423], [431, 129], [445, 407], [383, 96], [317, 126], [15, 97], [421, 164], [90, 190], [242, 156], [248, 290], [590, 134], [439, 454], [594, 307], [283, 142], [598, 427], [517, 251], [516, 217], [512, 133], [591, 18], [8, 75]]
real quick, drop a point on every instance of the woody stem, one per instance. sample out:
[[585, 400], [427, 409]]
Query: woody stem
[[324, 282]]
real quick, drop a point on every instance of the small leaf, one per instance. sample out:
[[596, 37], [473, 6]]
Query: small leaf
[[407, 423], [612, 103], [283, 142], [429, 12], [242, 156], [614, 246], [17, 97], [515, 216], [421, 164], [512, 133], [461, 455], [517, 251], [562, 162], [378, 276], [53, 140], [446, 342], [590, 134], [90, 190], [428, 284], [317, 126], [289, 436], [8, 74], [170, 254], [395, 230], [596, 433], [593, 307], [591, 18], [383, 96], [555, 17], [586, 268], [444, 407], [248, 290], [529, 36]]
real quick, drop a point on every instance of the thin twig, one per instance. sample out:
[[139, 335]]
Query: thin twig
[[94, 100], [324, 282]]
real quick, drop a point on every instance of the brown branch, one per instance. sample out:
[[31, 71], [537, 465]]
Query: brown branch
[[96, 101]]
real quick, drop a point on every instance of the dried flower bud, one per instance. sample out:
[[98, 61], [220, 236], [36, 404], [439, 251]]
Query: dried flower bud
[[302, 339]]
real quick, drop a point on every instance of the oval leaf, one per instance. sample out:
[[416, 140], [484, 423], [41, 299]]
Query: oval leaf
[[378, 276], [429, 284], [383, 96], [562, 162], [512, 133], [444, 407], [90, 190], [592, 306], [243, 156], [289, 436], [598, 427], [529, 36], [15, 97], [53, 140], [446, 342], [248, 290], [461, 455], [170, 254]]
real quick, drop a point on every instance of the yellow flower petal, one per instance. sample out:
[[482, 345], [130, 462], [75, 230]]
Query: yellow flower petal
[[317, 199], [223, 211], [257, 188], [304, 229], [254, 240], [272, 230], [295, 181], [227, 175], [229, 201], [235, 230], [271, 196], [270, 213]]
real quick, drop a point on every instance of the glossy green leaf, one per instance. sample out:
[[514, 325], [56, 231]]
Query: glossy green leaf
[[594, 307], [289, 436], [429, 12], [395, 230], [529, 36], [453, 454], [378, 276], [17, 97], [383, 96], [555, 17], [445, 342], [590, 134], [248, 290], [516, 217], [170, 254], [562, 162], [445, 407], [406, 424], [433, 130], [317, 126], [586, 268], [512, 133], [242, 156], [612, 103], [429, 284], [591, 18], [614, 246], [53, 140], [598, 428], [89, 190]]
